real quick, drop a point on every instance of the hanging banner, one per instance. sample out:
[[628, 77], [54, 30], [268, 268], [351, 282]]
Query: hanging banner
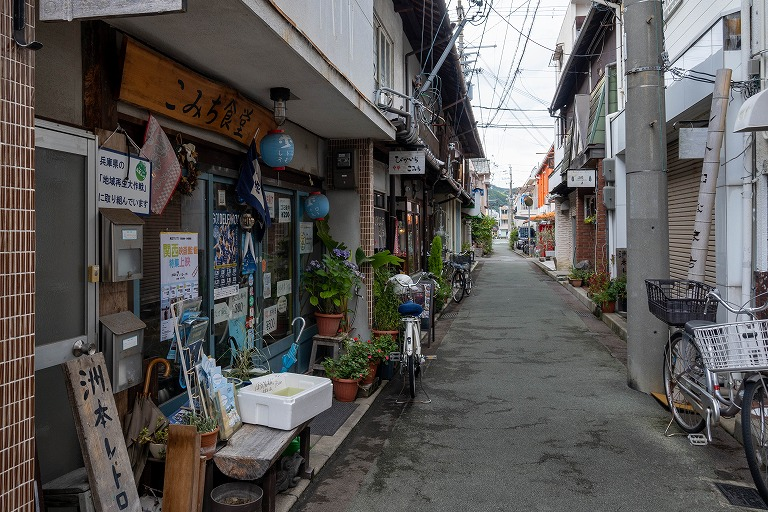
[[179, 274], [226, 250], [124, 181], [305, 237], [407, 162]]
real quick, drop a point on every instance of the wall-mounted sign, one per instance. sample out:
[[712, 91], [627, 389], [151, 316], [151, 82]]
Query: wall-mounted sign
[[163, 86], [178, 275], [306, 234], [68, 10], [226, 238], [406, 162], [124, 181], [582, 178]]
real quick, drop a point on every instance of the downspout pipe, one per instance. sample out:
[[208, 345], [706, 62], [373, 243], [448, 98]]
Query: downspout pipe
[[748, 180]]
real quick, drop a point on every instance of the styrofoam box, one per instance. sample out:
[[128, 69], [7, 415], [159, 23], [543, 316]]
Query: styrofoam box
[[261, 403]]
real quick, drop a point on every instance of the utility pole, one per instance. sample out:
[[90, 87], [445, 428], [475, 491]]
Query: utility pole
[[647, 224]]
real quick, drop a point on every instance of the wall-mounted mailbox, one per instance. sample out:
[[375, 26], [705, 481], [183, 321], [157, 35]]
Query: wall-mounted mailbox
[[122, 243], [344, 166], [122, 338]]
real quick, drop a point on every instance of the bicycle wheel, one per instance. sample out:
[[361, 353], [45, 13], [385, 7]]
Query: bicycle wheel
[[681, 357], [468, 283], [457, 287], [412, 375], [754, 414]]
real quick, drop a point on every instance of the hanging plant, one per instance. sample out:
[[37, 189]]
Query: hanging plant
[[187, 155]]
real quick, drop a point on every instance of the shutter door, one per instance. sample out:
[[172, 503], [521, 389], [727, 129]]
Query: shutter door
[[170, 220], [683, 177]]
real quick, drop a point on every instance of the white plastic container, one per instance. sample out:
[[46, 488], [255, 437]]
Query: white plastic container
[[284, 400]]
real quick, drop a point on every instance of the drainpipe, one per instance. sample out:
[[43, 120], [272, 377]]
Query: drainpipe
[[749, 166]]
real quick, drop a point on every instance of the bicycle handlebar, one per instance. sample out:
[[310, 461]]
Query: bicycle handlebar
[[715, 295]]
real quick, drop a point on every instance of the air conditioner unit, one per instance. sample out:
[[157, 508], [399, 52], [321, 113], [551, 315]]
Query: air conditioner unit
[[609, 197]]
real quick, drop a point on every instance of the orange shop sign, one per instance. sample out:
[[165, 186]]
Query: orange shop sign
[[160, 85]]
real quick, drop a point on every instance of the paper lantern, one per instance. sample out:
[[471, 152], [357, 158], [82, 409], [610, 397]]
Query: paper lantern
[[277, 149], [316, 206]]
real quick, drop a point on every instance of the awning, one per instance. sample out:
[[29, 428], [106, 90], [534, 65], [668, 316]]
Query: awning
[[753, 114]]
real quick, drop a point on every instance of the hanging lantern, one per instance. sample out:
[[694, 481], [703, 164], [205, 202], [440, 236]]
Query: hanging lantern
[[316, 206], [277, 149]]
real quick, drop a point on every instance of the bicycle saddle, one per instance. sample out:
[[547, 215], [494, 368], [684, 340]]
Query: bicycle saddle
[[696, 324], [410, 308]]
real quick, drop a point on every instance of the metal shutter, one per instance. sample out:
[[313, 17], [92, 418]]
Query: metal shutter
[[170, 220], [683, 178]]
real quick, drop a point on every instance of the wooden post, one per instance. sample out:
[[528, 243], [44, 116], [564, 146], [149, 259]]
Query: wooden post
[[709, 171], [182, 469]]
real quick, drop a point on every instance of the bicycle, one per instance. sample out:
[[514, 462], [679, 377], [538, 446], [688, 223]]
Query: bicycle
[[461, 278], [712, 370], [411, 358]]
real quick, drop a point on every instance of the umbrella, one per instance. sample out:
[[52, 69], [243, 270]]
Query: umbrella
[[144, 414], [290, 358]]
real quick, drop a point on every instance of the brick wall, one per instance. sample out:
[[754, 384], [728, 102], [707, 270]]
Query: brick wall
[[17, 272], [591, 239]]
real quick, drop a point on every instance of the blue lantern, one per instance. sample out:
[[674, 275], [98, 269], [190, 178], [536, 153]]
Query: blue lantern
[[316, 206], [277, 149]]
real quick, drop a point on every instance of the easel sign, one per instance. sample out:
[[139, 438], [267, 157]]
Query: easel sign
[[101, 437]]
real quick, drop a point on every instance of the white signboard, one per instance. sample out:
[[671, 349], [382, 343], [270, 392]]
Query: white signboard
[[124, 181], [271, 203], [237, 303], [285, 209], [582, 178], [407, 162], [178, 275], [267, 285], [220, 312], [270, 319], [283, 287], [305, 237], [68, 10]]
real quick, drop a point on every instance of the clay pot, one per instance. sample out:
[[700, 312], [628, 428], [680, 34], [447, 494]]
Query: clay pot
[[328, 323], [345, 390]]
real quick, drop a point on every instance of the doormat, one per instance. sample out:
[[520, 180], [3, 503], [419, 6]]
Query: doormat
[[742, 496], [328, 422]]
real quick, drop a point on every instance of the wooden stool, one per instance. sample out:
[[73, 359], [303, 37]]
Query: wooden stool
[[70, 490], [332, 342]]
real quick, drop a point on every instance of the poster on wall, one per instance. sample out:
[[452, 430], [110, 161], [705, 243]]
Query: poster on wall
[[270, 203], [226, 236], [305, 237], [178, 275], [124, 181], [285, 209], [270, 319]]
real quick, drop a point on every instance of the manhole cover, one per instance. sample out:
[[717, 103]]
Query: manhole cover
[[741, 496]]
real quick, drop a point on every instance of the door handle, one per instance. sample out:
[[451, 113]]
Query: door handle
[[81, 348]]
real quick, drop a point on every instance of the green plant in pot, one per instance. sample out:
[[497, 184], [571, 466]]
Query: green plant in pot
[[157, 439], [208, 429], [346, 372], [385, 315]]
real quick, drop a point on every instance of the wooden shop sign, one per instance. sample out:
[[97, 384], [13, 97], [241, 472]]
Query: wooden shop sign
[[158, 84], [68, 10]]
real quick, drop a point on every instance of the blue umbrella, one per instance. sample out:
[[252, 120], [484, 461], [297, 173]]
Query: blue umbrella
[[290, 357]]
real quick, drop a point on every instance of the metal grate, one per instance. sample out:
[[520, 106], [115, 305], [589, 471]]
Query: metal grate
[[583, 314], [454, 314], [741, 496]]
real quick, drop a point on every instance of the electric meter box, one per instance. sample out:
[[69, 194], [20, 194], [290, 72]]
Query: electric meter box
[[122, 338], [122, 243]]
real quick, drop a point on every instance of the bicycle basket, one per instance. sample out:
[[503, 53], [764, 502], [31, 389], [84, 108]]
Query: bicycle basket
[[677, 301], [734, 346], [461, 259]]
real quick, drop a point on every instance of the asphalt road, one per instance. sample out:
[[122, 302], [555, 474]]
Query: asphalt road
[[530, 411]]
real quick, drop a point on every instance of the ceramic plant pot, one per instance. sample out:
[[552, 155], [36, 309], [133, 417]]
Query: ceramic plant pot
[[328, 324], [345, 390]]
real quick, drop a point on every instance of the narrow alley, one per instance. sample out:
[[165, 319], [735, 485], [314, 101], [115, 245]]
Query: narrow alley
[[530, 411]]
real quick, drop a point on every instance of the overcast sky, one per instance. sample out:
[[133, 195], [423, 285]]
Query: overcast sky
[[516, 75]]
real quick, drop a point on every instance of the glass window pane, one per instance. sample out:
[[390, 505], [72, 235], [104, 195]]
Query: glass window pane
[[277, 247]]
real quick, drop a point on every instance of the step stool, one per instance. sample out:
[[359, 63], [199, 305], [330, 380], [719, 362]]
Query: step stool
[[68, 491], [333, 342]]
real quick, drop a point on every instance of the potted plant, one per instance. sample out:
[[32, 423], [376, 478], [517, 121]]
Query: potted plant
[[157, 439], [385, 344], [606, 299], [576, 277], [386, 318], [208, 429], [330, 283], [346, 372], [620, 285], [367, 351]]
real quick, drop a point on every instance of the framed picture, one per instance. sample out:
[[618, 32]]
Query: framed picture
[[344, 160]]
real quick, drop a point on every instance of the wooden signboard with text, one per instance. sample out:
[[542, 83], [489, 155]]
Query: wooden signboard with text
[[160, 85], [101, 436]]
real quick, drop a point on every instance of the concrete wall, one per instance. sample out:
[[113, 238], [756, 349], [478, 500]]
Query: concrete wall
[[691, 20]]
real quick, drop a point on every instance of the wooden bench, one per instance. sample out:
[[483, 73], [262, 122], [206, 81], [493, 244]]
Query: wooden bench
[[252, 453]]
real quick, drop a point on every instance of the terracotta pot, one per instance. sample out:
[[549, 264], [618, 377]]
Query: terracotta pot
[[208, 443], [345, 390], [328, 323], [372, 367], [377, 332], [608, 307], [575, 282]]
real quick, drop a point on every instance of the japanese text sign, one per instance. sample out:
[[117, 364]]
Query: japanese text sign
[[124, 181], [178, 275], [406, 162], [97, 422], [160, 85], [582, 178]]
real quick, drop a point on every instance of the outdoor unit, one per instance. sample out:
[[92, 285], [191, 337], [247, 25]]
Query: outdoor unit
[[609, 197], [609, 169]]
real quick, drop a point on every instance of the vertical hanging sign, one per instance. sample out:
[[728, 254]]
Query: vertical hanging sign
[[226, 253], [179, 274], [97, 422]]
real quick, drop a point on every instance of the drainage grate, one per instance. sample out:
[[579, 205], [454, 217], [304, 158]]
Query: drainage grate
[[741, 496], [455, 314], [583, 314]]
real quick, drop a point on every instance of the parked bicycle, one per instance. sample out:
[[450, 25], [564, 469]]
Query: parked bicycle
[[714, 371], [461, 277], [410, 357]]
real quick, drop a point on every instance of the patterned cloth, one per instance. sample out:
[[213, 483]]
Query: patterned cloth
[[166, 169]]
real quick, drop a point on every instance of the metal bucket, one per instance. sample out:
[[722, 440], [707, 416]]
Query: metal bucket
[[236, 497]]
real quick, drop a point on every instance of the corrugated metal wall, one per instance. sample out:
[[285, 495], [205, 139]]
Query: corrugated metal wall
[[683, 178]]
